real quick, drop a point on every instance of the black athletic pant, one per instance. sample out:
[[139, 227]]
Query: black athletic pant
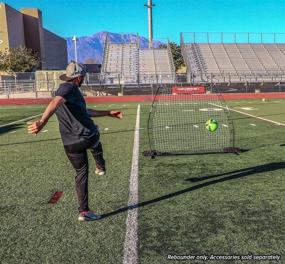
[[77, 154]]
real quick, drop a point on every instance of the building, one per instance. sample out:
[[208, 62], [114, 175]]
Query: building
[[93, 67], [25, 28]]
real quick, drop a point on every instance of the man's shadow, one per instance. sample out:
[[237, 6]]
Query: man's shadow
[[232, 175], [13, 127], [5, 130], [28, 142]]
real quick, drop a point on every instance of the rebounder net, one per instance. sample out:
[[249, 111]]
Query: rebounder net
[[177, 124]]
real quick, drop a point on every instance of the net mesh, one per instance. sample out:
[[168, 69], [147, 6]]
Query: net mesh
[[177, 124]]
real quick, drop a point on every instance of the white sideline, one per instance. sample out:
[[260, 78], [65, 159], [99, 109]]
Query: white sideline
[[257, 117], [21, 120], [131, 238]]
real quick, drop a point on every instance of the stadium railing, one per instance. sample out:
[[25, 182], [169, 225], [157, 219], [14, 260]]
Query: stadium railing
[[98, 85]]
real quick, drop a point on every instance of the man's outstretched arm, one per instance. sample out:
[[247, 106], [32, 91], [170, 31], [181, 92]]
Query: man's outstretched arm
[[37, 126], [111, 113]]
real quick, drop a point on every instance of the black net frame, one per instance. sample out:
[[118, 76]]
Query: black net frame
[[176, 124]]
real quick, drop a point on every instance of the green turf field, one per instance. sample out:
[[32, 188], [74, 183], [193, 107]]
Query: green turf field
[[220, 204]]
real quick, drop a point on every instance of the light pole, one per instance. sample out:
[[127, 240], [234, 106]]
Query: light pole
[[149, 6], [74, 39]]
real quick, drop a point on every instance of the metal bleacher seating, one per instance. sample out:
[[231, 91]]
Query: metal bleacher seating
[[223, 62], [120, 63], [156, 66], [127, 64]]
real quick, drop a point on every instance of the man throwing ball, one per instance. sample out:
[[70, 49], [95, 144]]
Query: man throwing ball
[[78, 132]]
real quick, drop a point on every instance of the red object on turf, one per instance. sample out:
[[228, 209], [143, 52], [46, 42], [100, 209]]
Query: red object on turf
[[56, 196]]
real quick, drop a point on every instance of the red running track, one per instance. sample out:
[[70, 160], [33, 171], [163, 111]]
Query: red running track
[[139, 98]]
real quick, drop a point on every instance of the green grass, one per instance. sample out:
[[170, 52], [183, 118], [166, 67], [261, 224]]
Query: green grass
[[198, 204], [217, 204], [33, 168], [12, 113]]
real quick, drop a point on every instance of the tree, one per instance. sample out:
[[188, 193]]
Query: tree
[[19, 59], [176, 54]]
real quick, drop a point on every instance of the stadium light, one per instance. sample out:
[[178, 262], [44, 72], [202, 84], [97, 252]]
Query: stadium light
[[74, 39], [149, 6]]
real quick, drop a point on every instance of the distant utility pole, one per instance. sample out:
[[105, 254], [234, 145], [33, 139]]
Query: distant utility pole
[[149, 6], [74, 39]]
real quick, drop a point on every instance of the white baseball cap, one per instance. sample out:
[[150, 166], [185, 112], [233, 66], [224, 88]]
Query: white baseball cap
[[73, 70]]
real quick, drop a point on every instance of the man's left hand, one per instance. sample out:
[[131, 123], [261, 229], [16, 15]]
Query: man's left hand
[[35, 127]]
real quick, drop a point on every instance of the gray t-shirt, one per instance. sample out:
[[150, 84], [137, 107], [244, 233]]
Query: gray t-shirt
[[75, 124]]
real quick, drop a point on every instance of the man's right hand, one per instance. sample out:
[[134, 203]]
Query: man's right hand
[[35, 127]]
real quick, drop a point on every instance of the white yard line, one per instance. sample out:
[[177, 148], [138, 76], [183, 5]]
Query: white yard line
[[257, 117], [21, 120], [131, 238]]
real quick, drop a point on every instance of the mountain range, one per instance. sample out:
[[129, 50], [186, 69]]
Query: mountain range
[[91, 48]]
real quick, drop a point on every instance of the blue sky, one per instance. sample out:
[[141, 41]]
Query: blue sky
[[83, 17]]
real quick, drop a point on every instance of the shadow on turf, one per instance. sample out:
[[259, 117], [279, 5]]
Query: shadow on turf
[[54, 139], [28, 142], [117, 131], [243, 172], [10, 128], [232, 176]]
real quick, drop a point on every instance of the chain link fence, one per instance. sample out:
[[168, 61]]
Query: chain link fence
[[45, 83]]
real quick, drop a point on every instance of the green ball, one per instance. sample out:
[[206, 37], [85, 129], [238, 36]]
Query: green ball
[[211, 125]]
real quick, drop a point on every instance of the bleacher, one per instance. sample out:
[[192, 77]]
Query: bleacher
[[120, 63], [126, 63], [156, 66], [235, 62]]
